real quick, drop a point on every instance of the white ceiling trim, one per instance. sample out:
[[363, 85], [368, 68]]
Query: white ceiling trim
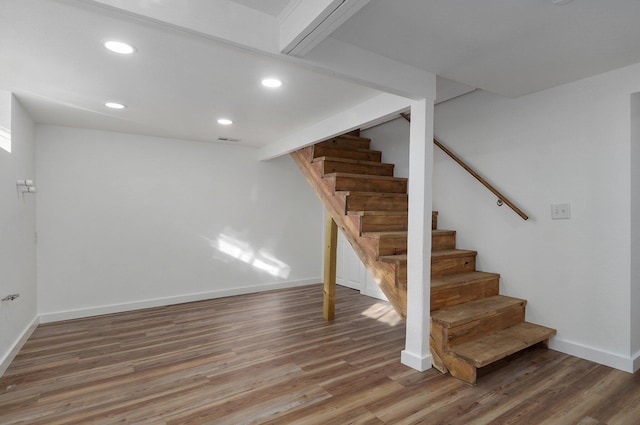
[[367, 114], [223, 20], [363, 67], [307, 23]]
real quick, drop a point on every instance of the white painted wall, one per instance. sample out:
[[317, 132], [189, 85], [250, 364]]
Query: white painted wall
[[392, 138], [350, 271], [635, 229], [17, 230], [128, 221], [566, 144]]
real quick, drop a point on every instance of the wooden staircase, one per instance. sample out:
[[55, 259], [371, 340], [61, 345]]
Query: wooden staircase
[[471, 324]]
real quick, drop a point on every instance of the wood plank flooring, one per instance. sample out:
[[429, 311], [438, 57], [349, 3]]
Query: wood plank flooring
[[270, 358]]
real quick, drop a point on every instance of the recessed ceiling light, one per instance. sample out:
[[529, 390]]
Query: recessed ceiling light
[[561, 2], [271, 82], [114, 105], [119, 47], [225, 121]]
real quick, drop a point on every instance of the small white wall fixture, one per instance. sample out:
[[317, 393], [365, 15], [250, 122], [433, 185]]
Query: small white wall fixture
[[26, 186]]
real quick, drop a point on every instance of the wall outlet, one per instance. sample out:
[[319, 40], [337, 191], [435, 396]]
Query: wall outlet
[[560, 211]]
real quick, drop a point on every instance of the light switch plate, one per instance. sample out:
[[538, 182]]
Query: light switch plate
[[560, 211]]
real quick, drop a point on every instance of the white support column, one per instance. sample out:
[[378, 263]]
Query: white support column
[[416, 353]]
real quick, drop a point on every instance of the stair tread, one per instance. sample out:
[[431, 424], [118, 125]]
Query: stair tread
[[352, 137], [447, 253], [397, 259], [344, 151], [500, 344], [442, 232], [390, 233], [460, 314], [350, 161], [451, 253], [372, 194], [369, 213], [365, 177], [350, 149], [462, 278], [387, 234]]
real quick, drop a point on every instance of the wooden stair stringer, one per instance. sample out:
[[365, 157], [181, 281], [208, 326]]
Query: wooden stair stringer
[[382, 272]]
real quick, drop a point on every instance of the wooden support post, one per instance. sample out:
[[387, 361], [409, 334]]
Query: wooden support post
[[331, 243]]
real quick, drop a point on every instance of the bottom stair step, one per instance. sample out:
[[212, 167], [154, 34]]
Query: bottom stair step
[[500, 344]]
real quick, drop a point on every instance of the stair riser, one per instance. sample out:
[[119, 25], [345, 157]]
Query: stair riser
[[441, 242], [362, 155], [444, 267], [376, 203], [448, 363], [477, 328], [398, 245], [369, 185], [347, 143], [329, 166], [392, 246], [383, 223], [450, 296]]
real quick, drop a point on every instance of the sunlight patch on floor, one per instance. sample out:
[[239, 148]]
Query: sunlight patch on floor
[[383, 312]]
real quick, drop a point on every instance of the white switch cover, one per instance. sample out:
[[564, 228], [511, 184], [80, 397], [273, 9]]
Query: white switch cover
[[560, 211]]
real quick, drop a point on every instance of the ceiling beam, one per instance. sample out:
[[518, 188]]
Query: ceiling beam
[[371, 112], [360, 66], [306, 23], [221, 20]]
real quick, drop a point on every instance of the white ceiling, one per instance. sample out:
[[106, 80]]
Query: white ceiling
[[181, 79], [270, 7], [176, 85], [510, 47]]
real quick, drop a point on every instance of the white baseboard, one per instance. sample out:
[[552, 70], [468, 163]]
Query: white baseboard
[[4, 364], [626, 364], [631, 364], [158, 302], [415, 362], [364, 290], [374, 293], [348, 283]]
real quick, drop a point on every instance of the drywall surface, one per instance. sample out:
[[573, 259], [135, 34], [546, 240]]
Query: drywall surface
[[569, 144], [17, 232], [635, 229], [350, 271], [128, 221], [392, 138]]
